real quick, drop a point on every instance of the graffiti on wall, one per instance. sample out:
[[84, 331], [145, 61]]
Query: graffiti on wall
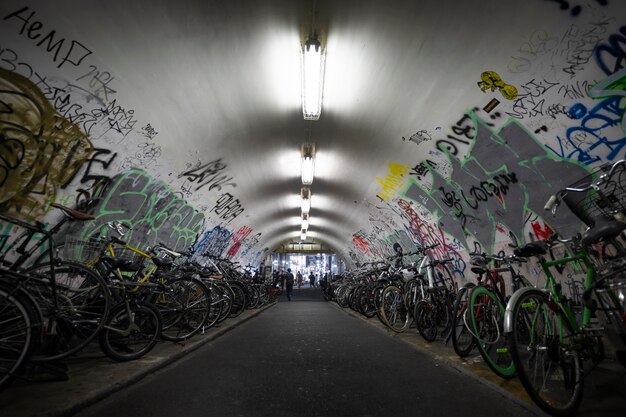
[[227, 207], [576, 8], [393, 181], [238, 238], [599, 131], [506, 175], [40, 150], [491, 80], [149, 207], [212, 242], [212, 175]]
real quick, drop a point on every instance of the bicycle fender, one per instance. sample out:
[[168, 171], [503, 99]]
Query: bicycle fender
[[508, 313]]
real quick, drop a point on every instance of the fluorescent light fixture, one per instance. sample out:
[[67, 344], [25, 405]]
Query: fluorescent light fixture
[[303, 235], [307, 170], [308, 163], [305, 221], [305, 193], [312, 78]]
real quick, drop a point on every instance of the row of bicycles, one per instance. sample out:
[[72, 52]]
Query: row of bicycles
[[551, 333], [57, 298]]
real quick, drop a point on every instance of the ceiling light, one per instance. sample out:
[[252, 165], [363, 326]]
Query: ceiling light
[[308, 163], [312, 78], [303, 235], [305, 221], [305, 193]]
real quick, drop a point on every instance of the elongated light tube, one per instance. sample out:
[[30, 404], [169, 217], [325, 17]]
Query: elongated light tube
[[303, 235], [307, 170], [312, 79], [305, 221]]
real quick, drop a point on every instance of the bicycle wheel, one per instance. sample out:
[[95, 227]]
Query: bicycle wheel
[[411, 295], [132, 330], [426, 320], [184, 305], [486, 321], [444, 277], [462, 340], [240, 300], [216, 303], [543, 348], [226, 297], [393, 310], [75, 314], [366, 301], [253, 295], [18, 332], [341, 296]]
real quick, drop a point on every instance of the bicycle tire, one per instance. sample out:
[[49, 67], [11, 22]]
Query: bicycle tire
[[341, 296], [184, 306], [226, 300], [393, 309], [254, 296], [551, 373], [486, 321], [240, 300], [366, 302], [462, 340], [84, 303], [215, 309], [426, 320], [122, 340], [18, 334]]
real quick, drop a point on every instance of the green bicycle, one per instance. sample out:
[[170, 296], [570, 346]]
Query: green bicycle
[[548, 344]]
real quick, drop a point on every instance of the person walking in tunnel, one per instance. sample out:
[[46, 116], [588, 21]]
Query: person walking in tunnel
[[275, 278], [289, 279], [311, 280], [299, 279]]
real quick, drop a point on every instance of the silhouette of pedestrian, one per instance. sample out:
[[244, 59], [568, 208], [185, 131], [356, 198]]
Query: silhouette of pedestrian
[[289, 279]]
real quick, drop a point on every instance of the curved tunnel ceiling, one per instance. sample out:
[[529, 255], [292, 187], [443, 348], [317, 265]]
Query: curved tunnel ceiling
[[205, 97]]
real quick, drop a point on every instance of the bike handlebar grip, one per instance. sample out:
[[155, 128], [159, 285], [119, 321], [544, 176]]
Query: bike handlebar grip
[[550, 202]]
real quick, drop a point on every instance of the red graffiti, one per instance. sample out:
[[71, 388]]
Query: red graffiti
[[361, 245], [540, 233], [238, 237]]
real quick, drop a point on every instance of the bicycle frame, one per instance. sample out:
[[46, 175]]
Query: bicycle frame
[[551, 287]]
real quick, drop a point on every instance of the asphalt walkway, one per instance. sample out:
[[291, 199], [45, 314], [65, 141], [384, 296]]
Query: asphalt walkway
[[303, 358]]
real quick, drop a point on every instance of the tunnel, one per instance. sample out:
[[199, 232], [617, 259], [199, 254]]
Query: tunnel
[[306, 146]]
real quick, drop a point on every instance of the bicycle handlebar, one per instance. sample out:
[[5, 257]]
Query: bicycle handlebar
[[555, 199]]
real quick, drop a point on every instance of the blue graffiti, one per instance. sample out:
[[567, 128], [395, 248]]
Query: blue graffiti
[[212, 243], [596, 137], [615, 49]]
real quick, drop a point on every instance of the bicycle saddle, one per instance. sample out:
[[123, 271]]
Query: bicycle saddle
[[532, 249], [78, 215], [603, 228]]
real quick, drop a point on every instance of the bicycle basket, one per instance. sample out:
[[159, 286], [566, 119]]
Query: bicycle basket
[[84, 251], [132, 260], [607, 199]]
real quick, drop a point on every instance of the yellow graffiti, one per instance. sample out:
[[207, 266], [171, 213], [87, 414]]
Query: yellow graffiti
[[492, 81], [393, 181], [40, 150]]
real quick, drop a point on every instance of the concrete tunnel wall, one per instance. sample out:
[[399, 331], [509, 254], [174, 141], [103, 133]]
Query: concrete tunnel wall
[[550, 115]]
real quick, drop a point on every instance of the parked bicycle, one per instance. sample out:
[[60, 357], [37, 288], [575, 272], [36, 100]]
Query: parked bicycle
[[549, 345], [484, 316], [52, 307]]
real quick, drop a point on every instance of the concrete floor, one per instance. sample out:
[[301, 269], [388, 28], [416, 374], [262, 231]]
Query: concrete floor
[[306, 357]]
